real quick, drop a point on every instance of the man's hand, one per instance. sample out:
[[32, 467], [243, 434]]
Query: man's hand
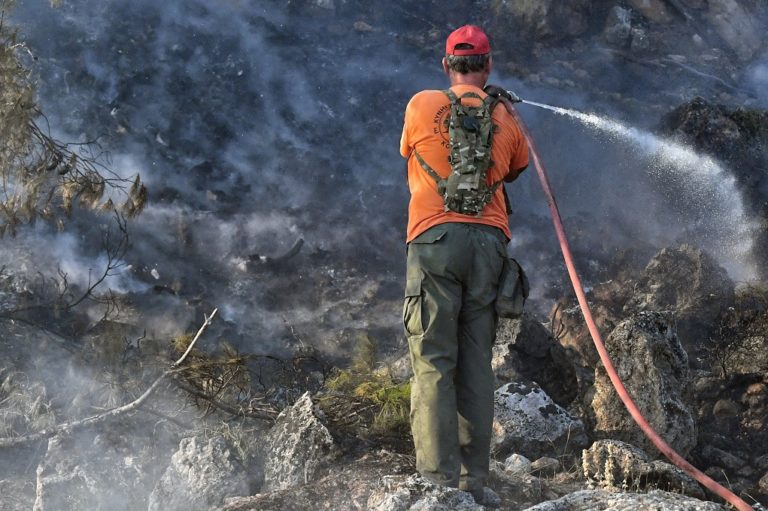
[[507, 98]]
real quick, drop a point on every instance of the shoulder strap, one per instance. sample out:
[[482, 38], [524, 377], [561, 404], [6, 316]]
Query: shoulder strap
[[427, 168], [452, 97]]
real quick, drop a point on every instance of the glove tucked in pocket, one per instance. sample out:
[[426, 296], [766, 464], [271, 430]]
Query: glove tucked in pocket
[[513, 290]]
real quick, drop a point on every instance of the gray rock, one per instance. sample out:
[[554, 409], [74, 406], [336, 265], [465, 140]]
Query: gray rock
[[87, 473], [654, 368], [692, 287], [612, 464], [725, 408], [201, 474], [737, 25], [762, 484], [593, 500], [400, 369], [618, 26], [297, 446], [545, 466], [525, 349], [721, 458], [640, 41], [517, 464], [415, 493], [527, 421]]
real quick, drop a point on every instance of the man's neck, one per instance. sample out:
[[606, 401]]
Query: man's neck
[[475, 79]]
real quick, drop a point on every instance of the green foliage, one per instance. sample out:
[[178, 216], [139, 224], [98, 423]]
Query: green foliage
[[379, 405]]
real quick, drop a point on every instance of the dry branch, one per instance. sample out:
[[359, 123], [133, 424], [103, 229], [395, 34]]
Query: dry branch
[[69, 427]]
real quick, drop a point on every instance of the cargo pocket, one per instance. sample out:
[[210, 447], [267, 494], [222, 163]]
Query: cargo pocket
[[412, 308]]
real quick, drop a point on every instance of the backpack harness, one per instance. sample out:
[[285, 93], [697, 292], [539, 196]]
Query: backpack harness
[[470, 133]]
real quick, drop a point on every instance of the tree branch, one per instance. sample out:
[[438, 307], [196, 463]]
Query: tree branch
[[69, 427]]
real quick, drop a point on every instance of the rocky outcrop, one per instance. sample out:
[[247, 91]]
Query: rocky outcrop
[[297, 446], [654, 368], [690, 285], [528, 422], [348, 484], [90, 473], [612, 464], [524, 349], [591, 500], [201, 474], [415, 492]]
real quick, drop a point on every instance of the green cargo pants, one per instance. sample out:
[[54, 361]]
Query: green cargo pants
[[452, 277]]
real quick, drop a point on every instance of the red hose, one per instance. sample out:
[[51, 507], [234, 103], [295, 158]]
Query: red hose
[[654, 437]]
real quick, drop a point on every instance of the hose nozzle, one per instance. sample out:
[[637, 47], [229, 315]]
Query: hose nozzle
[[498, 92], [514, 98]]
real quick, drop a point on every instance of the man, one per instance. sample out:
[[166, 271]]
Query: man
[[454, 264]]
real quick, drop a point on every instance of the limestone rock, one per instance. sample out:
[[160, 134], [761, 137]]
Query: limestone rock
[[527, 421], [525, 349], [689, 284], [591, 500], [346, 485], [517, 464], [297, 446], [612, 464], [86, 473], [415, 493], [201, 474], [654, 368]]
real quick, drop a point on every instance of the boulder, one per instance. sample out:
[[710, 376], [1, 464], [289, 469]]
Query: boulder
[[297, 446], [591, 500], [690, 285], [525, 349], [201, 474], [612, 464], [347, 484], [572, 334], [415, 493], [91, 473], [517, 464], [737, 25], [722, 458], [545, 466], [762, 484], [528, 422], [543, 19], [618, 26], [654, 368]]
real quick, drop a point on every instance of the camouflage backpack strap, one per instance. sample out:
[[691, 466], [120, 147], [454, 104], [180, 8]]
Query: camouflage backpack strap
[[429, 170]]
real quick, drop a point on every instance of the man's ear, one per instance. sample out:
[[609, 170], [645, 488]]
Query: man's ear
[[490, 64], [445, 66]]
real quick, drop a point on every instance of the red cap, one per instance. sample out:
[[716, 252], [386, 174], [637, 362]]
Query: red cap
[[471, 35]]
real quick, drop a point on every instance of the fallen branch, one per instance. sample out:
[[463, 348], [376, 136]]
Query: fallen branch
[[251, 412], [69, 427]]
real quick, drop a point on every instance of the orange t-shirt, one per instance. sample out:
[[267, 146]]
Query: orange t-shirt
[[426, 131]]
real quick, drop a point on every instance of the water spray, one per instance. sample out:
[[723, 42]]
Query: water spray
[[621, 390]]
